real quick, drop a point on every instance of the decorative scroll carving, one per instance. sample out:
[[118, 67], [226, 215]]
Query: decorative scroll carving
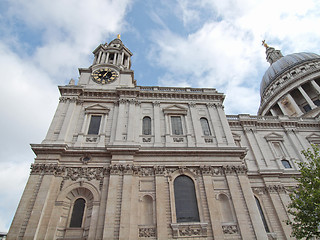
[[156, 103], [177, 139], [242, 169], [84, 172], [147, 232], [91, 139], [208, 140], [147, 171], [275, 188], [189, 230], [259, 190], [148, 139], [47, 169], [229, 229], [159, 170], [192, 104]]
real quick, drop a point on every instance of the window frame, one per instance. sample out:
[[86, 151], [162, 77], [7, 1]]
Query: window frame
[[149, 130], [171, 179], [83, 215], [90, 122], [207, 125], [180, 129]]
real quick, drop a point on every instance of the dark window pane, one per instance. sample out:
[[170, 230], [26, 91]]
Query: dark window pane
[[317, 102], [77, 213], [205, 127], [185, 200], [176, 125], [94, 125], [307, 108], [286, 164], [262, 215], [146, 126]]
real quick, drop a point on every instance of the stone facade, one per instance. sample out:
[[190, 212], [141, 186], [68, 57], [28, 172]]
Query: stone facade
[[125, 165]]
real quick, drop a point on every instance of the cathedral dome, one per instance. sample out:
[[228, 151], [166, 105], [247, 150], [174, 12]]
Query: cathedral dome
[[282, 65]]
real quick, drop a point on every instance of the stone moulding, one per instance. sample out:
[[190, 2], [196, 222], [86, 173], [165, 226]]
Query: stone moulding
[[97, 173], [184, 230]]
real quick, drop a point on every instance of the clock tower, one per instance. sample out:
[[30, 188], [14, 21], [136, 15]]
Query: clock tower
[[111, 67]]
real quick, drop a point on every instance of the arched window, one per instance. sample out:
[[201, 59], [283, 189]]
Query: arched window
[[77, 213], [286, 164], [185, 200], [205, 127], [146, 126], [262, 215]]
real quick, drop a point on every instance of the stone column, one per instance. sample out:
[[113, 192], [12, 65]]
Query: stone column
[[215, 123], [134, 230], [24, 209], [131, 121], [225, 125], [307, 98], [103, 57], [124, 232], [315, 86], [280, 210], [161, 199], [64, 131], [47, 214], [62, 107], [294, 104], [102, 209], [196, 124], [273, 113], [110, 224], [37, 214], [213, 206], [248, 131], [252, 207], [94, 220], [156, 125], [120, 121], [99, 57], [188, 131], [294, 143]]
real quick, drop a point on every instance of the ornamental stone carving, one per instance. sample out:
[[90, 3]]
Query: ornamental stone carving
[[147, 232], [242, 169], [230, 229], [84, 172], [275, 188], [159, 170], [181, 230], [146, 171]]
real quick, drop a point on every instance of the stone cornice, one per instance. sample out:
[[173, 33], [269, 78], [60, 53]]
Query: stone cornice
[[237, 152], [268, 121], [195, 94]]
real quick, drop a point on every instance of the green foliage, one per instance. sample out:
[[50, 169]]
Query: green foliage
[[305, 199]]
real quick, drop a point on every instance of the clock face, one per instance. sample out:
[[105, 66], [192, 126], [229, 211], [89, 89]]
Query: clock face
[[104, 75]]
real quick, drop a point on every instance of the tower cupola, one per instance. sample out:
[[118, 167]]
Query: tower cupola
[[114, 53]]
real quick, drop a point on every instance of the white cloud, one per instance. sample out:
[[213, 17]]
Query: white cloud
[[225, 52]]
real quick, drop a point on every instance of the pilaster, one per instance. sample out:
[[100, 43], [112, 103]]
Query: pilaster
[[161, 198]]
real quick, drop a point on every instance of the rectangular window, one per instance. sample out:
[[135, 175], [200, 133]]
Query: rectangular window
[[176, 125], [94, 125]]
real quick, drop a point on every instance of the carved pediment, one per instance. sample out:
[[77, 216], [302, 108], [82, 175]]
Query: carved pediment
[[314, 138], [274, 137], [175, 109], [97, 109]]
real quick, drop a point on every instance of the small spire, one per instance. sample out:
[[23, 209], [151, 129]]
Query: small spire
[[272, 54], [265, 44], [118, 36]]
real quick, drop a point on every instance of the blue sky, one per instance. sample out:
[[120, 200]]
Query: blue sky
[[204, 43]]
